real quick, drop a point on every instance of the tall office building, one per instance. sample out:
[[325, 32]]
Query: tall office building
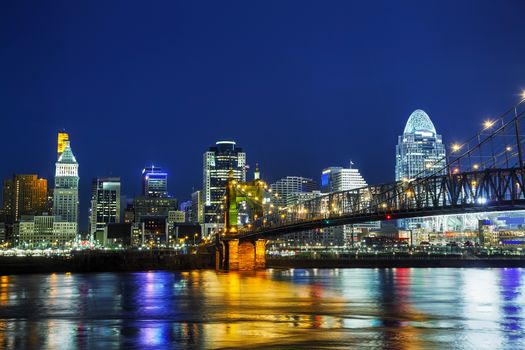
[[24, 195], [336, 179], [65, 194], [105, 203], [420, 150], [219, 161], [286, 188], [154, 182]]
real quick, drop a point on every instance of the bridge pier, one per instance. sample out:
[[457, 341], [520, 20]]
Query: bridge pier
[[235, 255]]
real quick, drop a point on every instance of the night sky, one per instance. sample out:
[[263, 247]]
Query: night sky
[[299, 85]]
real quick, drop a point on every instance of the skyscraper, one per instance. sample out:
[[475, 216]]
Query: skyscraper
[[24, 195], [105, 203], [219, 161], [420, 150], [154, 182], [65, 194], [283, 189]]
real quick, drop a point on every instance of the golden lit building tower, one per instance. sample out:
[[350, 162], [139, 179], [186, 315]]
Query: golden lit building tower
[[61, 144], [24, 195]]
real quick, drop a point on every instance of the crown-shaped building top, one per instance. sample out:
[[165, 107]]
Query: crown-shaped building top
[[67, 156], [419, 121]]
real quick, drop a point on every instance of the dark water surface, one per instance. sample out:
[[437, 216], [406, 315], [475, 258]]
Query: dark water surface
[[398, 308]]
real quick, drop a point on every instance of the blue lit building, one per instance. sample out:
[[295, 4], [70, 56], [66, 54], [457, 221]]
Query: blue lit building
[[154, 182]]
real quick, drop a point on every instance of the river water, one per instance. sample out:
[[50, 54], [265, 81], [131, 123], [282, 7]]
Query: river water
[[401, 308]]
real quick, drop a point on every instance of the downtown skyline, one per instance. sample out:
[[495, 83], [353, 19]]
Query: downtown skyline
[[159, 87]]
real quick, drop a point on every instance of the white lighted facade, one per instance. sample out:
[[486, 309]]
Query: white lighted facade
[[45, 231], [335, 179], [65, 194], [420, 151]]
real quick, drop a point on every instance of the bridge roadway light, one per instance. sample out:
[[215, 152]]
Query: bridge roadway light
[[488, 124], [455, 147]]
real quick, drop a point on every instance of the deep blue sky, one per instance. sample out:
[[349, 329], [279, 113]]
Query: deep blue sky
[[299, 85]]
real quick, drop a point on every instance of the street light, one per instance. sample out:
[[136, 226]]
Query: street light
[[488, 124]]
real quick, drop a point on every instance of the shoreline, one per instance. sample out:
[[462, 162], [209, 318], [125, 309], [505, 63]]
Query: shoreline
[[397, 262]]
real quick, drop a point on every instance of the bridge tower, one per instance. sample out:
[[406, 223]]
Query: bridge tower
[[233, 252]]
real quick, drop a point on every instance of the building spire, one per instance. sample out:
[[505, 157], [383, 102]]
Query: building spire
[[256, 173]]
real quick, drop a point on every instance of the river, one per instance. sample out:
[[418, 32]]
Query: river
[[402, 308]]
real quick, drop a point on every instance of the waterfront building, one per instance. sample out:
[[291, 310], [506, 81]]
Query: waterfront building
[[154, 182], [219, 162], [151, 214], [24, 195], [44, 231], [65, 194], [105, 203], [283, 189]]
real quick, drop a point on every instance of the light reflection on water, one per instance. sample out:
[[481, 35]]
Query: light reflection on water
[[298, 308]]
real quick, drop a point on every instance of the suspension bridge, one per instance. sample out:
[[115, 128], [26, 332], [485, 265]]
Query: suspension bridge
[[483, 174]]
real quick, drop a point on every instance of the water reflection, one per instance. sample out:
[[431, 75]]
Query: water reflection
[[298, 308]]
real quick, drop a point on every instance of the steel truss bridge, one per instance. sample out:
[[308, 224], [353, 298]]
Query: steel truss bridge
[[484, 173]]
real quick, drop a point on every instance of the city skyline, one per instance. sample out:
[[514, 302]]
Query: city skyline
[[160, 86]]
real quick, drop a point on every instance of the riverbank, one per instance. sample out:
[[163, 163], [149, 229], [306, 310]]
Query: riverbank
[[389, 262], [128, 261], [105, 261]]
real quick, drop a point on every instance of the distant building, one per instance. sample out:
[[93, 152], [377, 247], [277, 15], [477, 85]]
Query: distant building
[[154, 182], [286, 187], [105, 203], [150, 214], [197, 208], [44, 231], [218, 162], [24, 195], [420, 151], [115, 235], [176, 216], [3, 233], [335, 179], [65, 194]]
